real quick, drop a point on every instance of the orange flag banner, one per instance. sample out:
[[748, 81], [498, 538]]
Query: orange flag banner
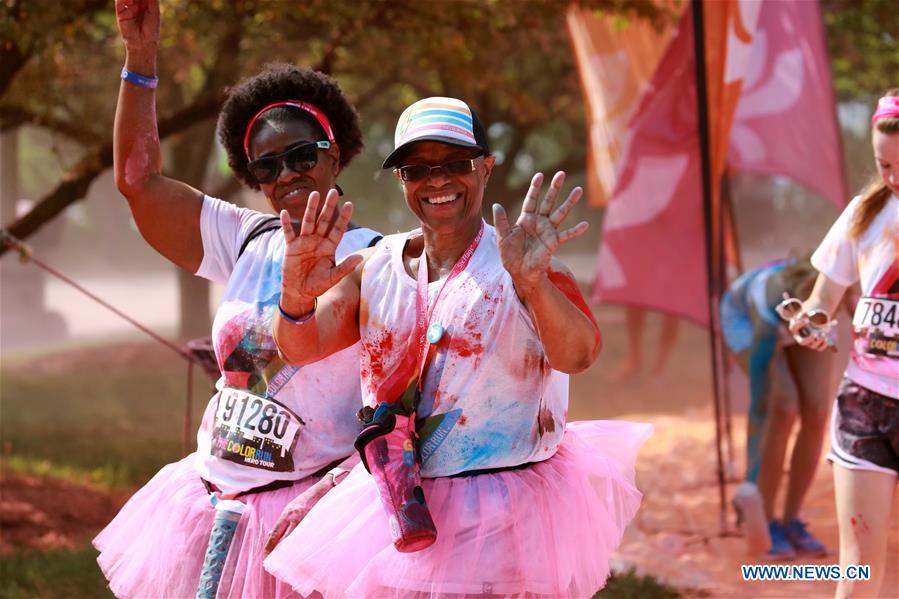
[[615, 60]]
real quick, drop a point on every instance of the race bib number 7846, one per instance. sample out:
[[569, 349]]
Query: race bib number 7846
[[877, 320]]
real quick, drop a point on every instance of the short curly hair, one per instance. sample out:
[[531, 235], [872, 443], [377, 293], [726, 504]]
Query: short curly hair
[[283, 81]]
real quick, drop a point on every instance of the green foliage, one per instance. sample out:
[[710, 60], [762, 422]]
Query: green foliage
[[59, 574], [114, 424], [863, 44], [633, 586], [511, 60]]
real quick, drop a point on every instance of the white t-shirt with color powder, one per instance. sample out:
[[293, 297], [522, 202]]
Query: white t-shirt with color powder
[[873, 261], [489, 398], [322, 398]]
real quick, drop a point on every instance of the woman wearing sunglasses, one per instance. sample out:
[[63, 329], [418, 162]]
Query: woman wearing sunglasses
[[863, 246], [467, 332], [273, 432]]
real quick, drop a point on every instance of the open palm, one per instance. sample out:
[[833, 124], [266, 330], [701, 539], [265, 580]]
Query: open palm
[[310, 268], [527, 247]]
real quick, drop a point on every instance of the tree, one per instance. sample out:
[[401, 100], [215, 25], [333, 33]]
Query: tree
[[509, 59], [863, 44]]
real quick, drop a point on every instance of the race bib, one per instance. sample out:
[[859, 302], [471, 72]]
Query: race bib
[[877, 321], [254, 431]]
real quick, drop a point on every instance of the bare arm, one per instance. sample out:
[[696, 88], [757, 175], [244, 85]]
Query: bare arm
[[166, 211], [320, 297], [570, 337], [294, 512]]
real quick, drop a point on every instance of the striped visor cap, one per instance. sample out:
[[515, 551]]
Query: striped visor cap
[[446, 120]]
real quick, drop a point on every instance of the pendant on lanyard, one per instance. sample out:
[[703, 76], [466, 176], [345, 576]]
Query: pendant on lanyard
[[435, 332], [429, 334]]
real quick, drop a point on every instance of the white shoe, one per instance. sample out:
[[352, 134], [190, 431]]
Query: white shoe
[[751, 519]]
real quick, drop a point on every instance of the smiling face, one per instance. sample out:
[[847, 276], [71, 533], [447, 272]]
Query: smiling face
[[886, 156], [446, 203], [290, 191]]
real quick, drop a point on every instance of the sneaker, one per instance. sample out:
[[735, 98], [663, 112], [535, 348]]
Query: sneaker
[[780, 546], [802, 540], [751, 519]]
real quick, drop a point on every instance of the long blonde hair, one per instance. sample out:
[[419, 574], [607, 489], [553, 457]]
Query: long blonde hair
[[876, 194]]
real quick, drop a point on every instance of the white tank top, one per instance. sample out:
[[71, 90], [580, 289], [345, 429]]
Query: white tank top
[[489, 397]]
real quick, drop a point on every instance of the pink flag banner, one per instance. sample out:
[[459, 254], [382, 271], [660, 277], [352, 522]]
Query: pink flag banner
[[785, 122], [653, 246]]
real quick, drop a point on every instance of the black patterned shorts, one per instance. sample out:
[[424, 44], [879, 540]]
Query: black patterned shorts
[[864, 432]]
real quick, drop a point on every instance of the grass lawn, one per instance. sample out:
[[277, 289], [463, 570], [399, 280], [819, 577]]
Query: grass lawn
[[58, 574], [115, 414]]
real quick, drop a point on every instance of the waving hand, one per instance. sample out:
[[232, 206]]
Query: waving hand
[[310, 268], [527, 247]]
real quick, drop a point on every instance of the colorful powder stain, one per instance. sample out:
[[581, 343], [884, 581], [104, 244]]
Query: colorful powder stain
[[545, 421], [465, 346], [568, 286]]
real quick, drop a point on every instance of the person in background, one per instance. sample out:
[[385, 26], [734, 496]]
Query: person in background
[[786, 383], [635, 321]]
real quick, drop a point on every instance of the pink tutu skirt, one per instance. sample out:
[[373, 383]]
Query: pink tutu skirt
[[545, 530], [155, 546]]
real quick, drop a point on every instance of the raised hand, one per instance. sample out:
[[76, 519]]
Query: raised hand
[[310, 268], [138, 24], [527, 247]]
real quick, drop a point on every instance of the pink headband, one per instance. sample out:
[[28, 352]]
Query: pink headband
[[318, 114], [887, 108]]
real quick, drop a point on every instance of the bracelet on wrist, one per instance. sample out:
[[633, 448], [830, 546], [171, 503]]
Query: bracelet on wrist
[[139, 80], [304, 318]]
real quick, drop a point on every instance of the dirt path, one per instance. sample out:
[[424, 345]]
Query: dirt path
[[39, 512], [675, 535]]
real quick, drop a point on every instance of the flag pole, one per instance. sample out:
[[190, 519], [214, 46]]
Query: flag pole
[[712, 269]]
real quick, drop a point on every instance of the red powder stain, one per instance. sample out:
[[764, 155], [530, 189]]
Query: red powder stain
[[492, 299], [568, 286], [239, 380], [852, 520], [465, 346], [390, 387], [462, 420], [545, 422], [861, 520], [377, 350]]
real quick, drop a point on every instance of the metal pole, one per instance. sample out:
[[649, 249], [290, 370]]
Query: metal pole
[[710, 239]]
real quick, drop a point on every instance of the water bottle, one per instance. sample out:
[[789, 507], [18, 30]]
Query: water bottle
[[227, 515]]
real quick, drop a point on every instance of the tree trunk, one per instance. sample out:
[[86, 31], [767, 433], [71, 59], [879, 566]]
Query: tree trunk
[[9, 175], [190, 154]]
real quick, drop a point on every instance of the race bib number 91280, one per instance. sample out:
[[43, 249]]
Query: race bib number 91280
[[254, 431]]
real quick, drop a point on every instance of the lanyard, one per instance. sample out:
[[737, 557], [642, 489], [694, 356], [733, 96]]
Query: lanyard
[[426, 333]]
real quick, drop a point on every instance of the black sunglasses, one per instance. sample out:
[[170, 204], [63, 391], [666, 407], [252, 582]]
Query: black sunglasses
[[300, 158], [419, 172]]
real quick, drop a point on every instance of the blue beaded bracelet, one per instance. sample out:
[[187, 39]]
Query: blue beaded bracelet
[[139, 80]]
